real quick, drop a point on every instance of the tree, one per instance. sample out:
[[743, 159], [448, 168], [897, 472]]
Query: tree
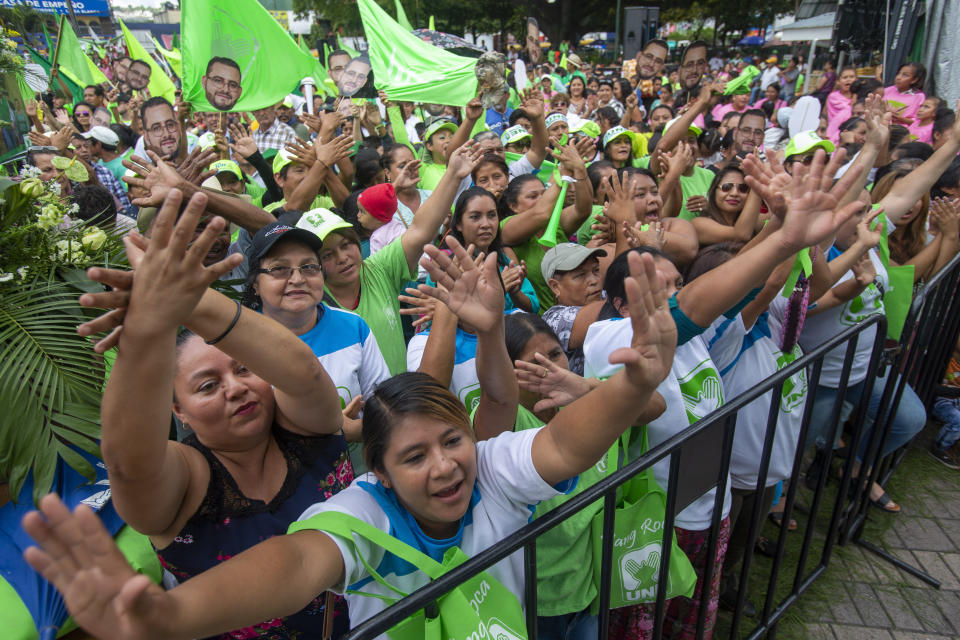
[[25, 20]]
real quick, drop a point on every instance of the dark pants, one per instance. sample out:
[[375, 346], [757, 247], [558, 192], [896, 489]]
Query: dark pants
[[741, 510]]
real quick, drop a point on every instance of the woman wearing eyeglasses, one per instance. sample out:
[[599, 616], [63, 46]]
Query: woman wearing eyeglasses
[[731, 212], [285, 283]]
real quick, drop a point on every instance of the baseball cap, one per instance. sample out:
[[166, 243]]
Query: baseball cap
[[586, 127], [807, 141], [282, 159], [566, 256], [694, 129], [267, 236], [437, 125], [322, 222], [772, 60], [516, 133], [227, 166], [380, 201], [102, 134], [615, 132]]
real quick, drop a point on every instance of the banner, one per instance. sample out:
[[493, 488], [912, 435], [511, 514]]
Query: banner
[[253, 63], [80, 7], [148, 74], [409, 69]]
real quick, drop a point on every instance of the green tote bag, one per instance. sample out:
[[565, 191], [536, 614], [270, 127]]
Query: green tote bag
[[637, 542], [481, 607]]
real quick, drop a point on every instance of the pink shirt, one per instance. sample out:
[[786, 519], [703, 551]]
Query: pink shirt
[[913, 100], [386, 234], [777, 105], [723, 109], [839, 109], [924, 132]]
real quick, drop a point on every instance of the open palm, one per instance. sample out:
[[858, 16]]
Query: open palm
[[473, 293]]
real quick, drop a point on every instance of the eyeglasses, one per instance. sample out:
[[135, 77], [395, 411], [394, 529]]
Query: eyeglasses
[[742, 187], [695, 64], [806, 160], [283, 273], [218, 83], [751, 133], [652, 58], [81, 113], [169, 126]]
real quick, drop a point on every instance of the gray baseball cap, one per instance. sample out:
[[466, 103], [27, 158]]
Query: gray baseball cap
[[566, 257]]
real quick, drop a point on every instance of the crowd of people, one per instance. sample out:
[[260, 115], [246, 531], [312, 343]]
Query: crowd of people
[[439, 320]]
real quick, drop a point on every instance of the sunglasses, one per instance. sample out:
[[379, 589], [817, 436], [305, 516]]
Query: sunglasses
[[83, 113], [727, 187]]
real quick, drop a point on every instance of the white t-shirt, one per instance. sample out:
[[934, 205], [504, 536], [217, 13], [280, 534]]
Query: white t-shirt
[[824, 326], [691, 390], [508, 488], [464, 382], [746, 357]]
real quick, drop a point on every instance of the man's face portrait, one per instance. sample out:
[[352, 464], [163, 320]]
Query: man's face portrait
[[354, 77], [221, 84], [138, 75], [161, 130]]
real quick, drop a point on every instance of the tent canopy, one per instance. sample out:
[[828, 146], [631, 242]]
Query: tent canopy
[[816, 28]]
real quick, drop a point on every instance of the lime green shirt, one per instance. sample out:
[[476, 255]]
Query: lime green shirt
[[585, 232], [430, 174], [325, 202], [532, 252], [696, 184], [382, 277]]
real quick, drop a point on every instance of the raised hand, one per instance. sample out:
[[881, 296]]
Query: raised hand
[[945, 216], [571, 162], [878, 122], [650, 355], [770, 181], [305, 154], [463, 159], [811, 212], [101, 590], [157, 179], [194, 169], [512, 277], [533, 103], [587, 148], [864, 271], [421, 305], [868, 233], [556, 385], [619, 204], [243, 143], [474, 109], [62, 116], [473, 293], [409, 176], [335, 150]]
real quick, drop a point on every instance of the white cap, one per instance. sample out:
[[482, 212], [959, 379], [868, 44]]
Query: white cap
[[103, 135]]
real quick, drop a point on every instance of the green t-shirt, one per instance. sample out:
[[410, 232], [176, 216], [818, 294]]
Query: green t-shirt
[[382, 277], [565, 553], [325, 202], [532, 253], [116, 167], [696, 184], [584, 233], [430, 174]]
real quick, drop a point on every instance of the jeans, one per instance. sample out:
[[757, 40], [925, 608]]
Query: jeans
[[570, 626], [910, 418], [947, 411]]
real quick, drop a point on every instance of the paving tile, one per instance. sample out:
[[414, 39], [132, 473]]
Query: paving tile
[[891, 539], [868, 604], [933, 564], [897, 609], [911, 635], [848, 632], [842, 609], [952, 527], [952, 560], [819, 632], [923, 602], [924, 534]]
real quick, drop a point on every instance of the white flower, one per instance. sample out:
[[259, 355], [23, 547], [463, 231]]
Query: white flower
[[6, 277], [22, 272], [55, 188], [29, 171]]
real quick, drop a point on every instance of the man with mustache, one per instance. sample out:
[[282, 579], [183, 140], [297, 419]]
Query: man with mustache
[[221, 83], [161, 129], [649, 66], [693, 64]]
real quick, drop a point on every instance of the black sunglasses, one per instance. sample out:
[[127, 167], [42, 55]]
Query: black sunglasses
[[742, 187]]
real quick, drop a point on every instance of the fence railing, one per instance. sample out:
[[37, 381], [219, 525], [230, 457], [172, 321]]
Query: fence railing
[[699, 460]]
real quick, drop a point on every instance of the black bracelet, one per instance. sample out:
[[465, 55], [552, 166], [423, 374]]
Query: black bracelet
[[233, 323]]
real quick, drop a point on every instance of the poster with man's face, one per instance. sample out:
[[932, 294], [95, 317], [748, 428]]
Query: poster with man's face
[[221, 83], [138, 75], [356, 81]]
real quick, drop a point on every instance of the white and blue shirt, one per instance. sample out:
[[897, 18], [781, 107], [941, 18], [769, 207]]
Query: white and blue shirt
[[464, 382], [506, 492]]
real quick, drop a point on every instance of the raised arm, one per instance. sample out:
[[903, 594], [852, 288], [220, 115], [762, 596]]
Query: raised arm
[[678, 130], [573, 167], [710, 231], [471, 113], [533, 105], [322, 157]]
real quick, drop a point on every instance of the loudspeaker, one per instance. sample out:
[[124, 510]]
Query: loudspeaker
[[640, 24]]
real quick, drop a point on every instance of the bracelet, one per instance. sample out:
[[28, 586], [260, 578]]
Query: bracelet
[[568, 179], [233, 323]]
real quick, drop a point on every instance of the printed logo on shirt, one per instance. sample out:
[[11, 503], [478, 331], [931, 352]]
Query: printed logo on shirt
[[345, 397], [866, 304], [702, 391], [795, 387], [470, 397]]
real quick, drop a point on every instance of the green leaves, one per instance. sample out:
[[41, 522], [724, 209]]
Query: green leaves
[[51, 382]]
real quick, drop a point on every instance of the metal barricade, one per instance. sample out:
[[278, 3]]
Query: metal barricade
[[699, 461]]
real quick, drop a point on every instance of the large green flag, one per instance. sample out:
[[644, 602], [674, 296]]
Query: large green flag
[[325, 84], [160, 84], [76, 90], [172, 57], [402, 17], [271, 64], [343, 45], [409, 69], [73, 62]]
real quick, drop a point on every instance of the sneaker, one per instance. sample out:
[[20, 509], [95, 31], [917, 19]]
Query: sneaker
[[944, 456]]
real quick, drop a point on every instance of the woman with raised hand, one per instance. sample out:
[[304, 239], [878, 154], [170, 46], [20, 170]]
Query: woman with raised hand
[[265, 415], [732, 210], [429, 480]]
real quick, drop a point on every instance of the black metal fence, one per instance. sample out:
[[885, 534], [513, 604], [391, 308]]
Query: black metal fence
[[700, 459]]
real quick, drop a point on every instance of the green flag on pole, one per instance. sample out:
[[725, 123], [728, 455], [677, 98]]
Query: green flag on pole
[[172, 57], [160, 84], [73, 62], [46, 38], [342, 45], [402, 16], [325, 84], [409, 69], [271, 64]]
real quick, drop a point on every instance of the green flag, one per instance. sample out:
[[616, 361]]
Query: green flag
[[342, 45], [172, 57], [46, 38], [73, 87], [433, 27], [160, 84], [25, 91], [325, 84], [73, 62], [402, 16], [407, 68], [271, 64]]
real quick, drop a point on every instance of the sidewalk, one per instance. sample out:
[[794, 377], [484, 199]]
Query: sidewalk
[[864, 597]]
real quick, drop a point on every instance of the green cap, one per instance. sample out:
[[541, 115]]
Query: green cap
[[615, 132], [694, 129], [806, 141], [282, 159], [437, 125], [322, 222], [516, 133], [586, 127], [227, 166]]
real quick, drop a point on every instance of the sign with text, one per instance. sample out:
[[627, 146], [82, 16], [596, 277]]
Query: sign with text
[[80, 7]]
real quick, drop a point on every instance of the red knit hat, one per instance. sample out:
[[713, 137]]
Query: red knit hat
[[380, 201]]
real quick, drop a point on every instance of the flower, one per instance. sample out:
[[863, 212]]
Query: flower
[[69, 251], [6, 277], [31, 187], [94, 239]]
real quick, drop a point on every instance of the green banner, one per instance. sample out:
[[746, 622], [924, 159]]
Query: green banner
[[159, 84]]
